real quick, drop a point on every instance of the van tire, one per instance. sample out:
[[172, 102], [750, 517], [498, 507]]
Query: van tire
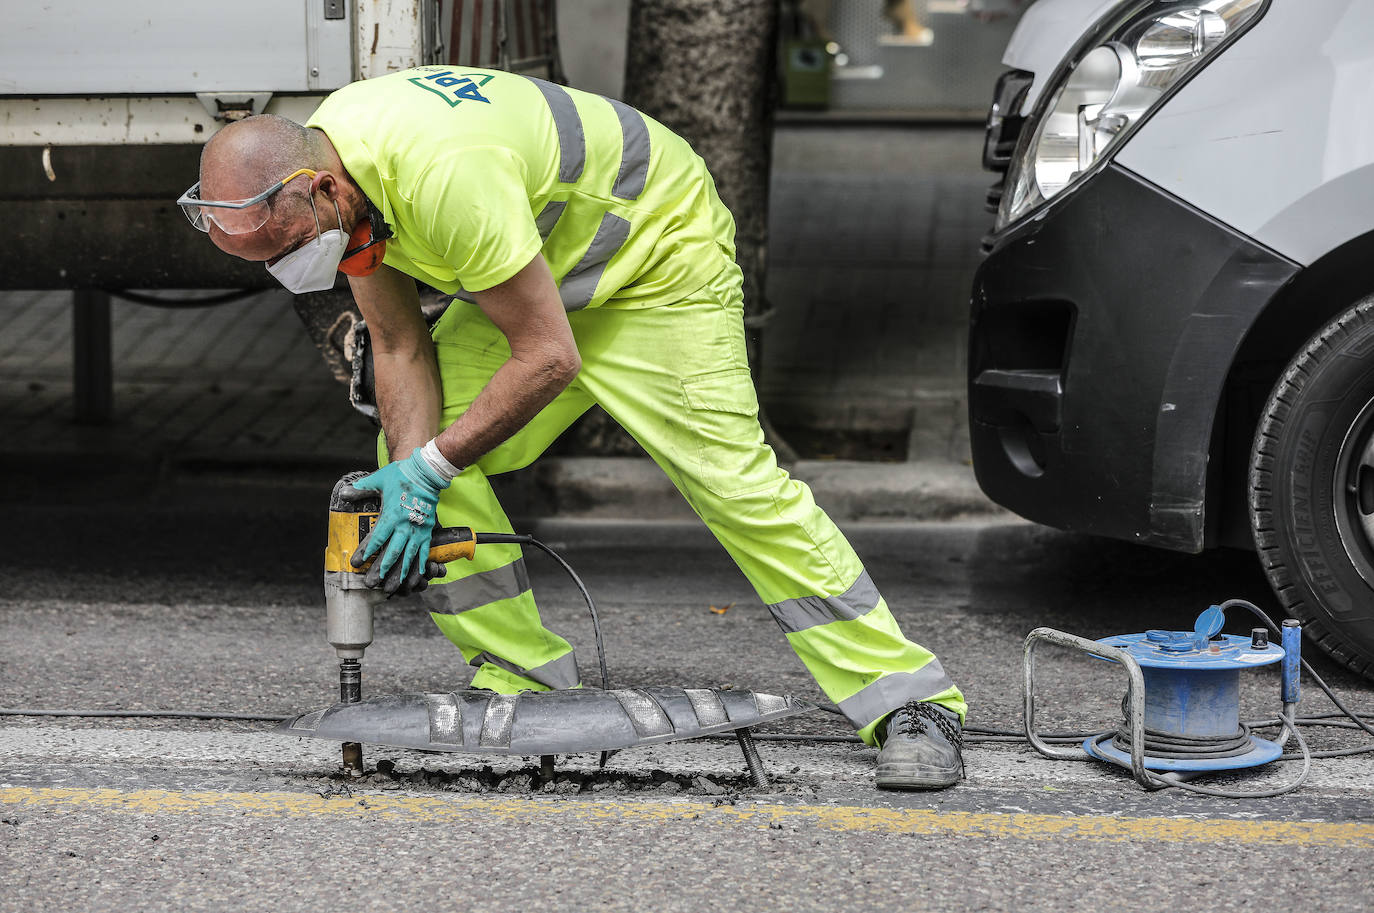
[[1311, 488]]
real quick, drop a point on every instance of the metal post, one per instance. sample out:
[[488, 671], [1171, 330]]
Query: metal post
[[351, 692], [1291, 641], [757, 773], [92, 365], [556, 73], [502, 37]]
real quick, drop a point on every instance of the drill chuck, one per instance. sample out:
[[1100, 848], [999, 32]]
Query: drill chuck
[[348, 616]]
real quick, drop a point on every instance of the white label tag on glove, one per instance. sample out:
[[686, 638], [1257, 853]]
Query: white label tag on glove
[[420, 511]]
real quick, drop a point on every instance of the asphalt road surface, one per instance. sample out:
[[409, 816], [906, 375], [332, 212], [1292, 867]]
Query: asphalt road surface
[[203, 594]]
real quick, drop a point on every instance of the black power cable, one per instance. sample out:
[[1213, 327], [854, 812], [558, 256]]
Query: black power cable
[[191, 302], [521, 539], [150, 714], [1180, 747], [1317, 679]]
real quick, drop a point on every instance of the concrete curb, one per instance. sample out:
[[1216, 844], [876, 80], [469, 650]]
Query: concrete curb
[[632, 487], [600, 488]]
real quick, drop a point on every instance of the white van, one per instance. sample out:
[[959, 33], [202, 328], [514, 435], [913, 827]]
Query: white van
[[1172, 336]]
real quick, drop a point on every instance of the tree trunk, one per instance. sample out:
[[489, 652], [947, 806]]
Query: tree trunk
[[706, 70]]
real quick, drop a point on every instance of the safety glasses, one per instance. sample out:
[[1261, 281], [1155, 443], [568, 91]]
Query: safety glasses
[[233, 217]]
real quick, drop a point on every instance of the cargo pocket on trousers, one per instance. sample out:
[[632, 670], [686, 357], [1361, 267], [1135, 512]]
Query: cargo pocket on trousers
[[723, 410]]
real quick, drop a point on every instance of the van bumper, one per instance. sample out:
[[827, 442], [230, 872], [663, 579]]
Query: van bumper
[[1103, 330]]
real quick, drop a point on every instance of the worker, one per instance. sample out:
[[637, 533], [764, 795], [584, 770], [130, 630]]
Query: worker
[[592, 263]]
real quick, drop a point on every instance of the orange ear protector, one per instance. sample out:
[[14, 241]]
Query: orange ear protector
[[365, 250]]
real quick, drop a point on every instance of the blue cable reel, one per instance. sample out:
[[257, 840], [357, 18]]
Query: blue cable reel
[[1182, 707]]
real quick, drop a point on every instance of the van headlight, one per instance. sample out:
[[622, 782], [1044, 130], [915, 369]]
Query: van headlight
[[1109, 86]]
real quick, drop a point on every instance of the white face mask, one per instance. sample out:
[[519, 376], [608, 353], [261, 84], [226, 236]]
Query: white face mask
[[312, 266]]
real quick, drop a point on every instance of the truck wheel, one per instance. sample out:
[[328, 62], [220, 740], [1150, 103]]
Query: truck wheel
[[1312, 488]]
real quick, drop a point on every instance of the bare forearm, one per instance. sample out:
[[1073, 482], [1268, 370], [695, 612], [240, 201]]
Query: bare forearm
[[408, 398], [404, 364], [513, 396], [527, 309]]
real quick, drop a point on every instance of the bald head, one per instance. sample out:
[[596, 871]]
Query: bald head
[[246, 157]]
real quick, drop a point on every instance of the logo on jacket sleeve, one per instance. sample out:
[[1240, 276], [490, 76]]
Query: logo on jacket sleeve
[[455, 88]]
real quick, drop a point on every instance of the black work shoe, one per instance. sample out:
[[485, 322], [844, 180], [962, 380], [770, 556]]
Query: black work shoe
[[921, 748]]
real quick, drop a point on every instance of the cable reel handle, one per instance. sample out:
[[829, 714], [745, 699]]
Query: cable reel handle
[[1134, 703]]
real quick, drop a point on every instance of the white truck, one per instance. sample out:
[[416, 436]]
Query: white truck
[[104, 107]]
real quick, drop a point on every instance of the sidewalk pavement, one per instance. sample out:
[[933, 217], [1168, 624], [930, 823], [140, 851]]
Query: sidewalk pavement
[[849, 490], [875, 239]]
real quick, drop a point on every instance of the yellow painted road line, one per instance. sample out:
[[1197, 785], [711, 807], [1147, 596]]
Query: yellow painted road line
[[852, 819]]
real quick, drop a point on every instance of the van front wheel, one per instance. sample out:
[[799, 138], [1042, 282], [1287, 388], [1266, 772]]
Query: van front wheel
[[1312, 488]]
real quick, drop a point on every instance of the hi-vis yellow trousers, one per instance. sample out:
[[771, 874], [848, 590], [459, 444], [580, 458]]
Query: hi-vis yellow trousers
[[676, 378]]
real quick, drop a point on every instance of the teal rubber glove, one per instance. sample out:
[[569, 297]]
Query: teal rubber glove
[[410, 496]]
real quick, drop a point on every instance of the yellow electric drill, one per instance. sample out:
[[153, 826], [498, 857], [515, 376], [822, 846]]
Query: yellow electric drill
[[349, 601]]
